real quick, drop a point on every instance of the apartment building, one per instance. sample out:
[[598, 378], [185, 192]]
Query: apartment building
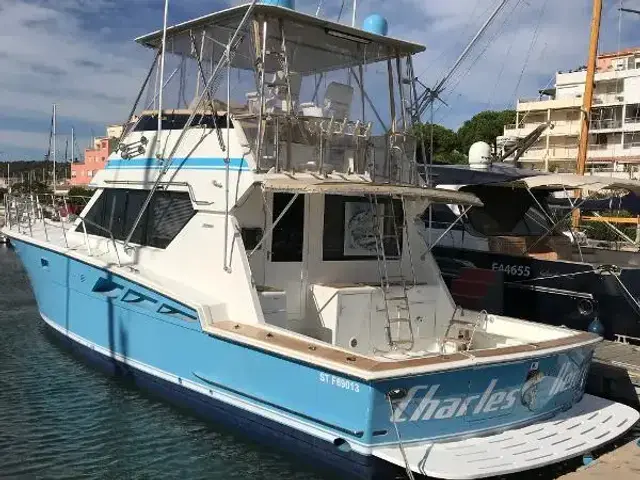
[[95, 158], [614, 140]]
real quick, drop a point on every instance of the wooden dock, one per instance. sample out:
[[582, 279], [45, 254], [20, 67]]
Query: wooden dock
[[615, 373], [621, 464]]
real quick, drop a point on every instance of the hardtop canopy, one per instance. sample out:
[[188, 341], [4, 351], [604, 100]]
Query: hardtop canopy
[[569, 181], [314, 45], [311, 185]]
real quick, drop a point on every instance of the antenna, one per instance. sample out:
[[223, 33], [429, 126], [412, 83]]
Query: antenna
[[354, 13], [160, 93], [430, 94], [54, 148]]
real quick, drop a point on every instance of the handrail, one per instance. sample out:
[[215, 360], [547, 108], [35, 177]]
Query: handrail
[[13, 202], [84, 221]]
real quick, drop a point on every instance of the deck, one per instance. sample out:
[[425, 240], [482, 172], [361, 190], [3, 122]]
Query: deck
[[615, 373], [620, 464]]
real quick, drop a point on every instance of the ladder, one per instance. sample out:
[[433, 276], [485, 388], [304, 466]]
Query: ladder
[[460, 332], [398, 338]]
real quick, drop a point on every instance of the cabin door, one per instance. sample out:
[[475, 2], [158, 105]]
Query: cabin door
[[285, 255]]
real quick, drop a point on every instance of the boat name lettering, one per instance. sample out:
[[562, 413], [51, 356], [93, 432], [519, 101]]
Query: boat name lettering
[[515, 270], [339, 382], [570, 377], [550, 274], [428, 407]]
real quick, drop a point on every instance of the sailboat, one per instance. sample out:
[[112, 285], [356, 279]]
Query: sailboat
[[262, 263]]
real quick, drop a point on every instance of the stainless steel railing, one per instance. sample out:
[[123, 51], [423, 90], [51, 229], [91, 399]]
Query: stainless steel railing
[[23, 213]]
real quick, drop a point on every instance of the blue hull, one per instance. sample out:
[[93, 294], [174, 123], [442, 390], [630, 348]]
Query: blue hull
[[322, 454], [322, 415]]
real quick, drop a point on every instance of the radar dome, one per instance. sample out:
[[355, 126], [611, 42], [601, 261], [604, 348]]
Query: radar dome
[[280, 3], [480, 155], [376, 24]]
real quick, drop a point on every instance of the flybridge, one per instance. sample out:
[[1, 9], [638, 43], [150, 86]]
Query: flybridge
[[321, 45]]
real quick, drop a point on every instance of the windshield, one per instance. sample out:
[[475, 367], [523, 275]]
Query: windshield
[[508, 211]]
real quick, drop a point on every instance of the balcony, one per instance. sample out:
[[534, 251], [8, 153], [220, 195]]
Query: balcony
[[533, 104], [608, 98], [607, 124], [560, 128]]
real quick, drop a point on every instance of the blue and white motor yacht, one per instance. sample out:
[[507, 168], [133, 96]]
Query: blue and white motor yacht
[[262, 263]]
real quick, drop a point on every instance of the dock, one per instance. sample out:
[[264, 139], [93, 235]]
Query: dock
[[620, 464], [615, 373]]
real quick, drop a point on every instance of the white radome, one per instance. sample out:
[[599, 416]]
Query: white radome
[[480, 155]]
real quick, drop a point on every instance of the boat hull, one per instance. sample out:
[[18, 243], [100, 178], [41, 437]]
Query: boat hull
[[299, 445], [324, 415], [567, 297]]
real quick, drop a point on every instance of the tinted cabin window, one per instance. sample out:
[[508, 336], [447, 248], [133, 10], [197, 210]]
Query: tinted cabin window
[[349, 232], [177, 121], [288, 235], [507, 211], [117, 209], [441, 217]]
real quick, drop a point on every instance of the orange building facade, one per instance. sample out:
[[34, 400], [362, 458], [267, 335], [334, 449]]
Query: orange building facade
[[95, 159]]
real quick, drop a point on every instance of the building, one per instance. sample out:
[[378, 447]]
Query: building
[[614, 140], [95, 158]]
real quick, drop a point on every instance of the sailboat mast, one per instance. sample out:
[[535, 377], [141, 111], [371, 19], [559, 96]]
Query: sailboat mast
[[54, 148], [589, 87]]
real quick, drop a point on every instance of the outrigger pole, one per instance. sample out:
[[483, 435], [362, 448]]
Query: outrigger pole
[[583, 146], [589, 87]]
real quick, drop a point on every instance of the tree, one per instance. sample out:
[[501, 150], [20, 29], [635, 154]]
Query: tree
[[79, 196], [79, 191], [445, 143], [30, 187], [484, 127]]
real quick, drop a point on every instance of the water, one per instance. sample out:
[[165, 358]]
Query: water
[[62, 419]]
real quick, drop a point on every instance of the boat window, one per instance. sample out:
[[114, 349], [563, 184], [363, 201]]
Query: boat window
[[177, 121], [442, 217], [117, 209], [507, 211], [288, 235], [251, 237], [349, 232]]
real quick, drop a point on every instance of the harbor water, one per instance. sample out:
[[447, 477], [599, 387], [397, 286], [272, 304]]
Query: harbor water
[[60, 418]]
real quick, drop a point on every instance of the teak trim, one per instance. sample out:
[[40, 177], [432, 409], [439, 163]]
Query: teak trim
[[336, 355]]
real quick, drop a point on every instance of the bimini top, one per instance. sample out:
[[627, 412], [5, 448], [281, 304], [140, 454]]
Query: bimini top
[[503, 175], [306, 185], [569, 181], [313, 44]]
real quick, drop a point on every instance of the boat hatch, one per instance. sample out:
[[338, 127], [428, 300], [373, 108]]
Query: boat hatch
[[587, 425]]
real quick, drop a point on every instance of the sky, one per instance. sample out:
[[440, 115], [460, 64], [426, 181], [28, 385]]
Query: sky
[[80, 55]]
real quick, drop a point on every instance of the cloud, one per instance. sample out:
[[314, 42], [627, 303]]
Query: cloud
[[80, 55]]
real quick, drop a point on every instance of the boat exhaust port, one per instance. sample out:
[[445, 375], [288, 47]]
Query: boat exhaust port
[[342, 445]]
